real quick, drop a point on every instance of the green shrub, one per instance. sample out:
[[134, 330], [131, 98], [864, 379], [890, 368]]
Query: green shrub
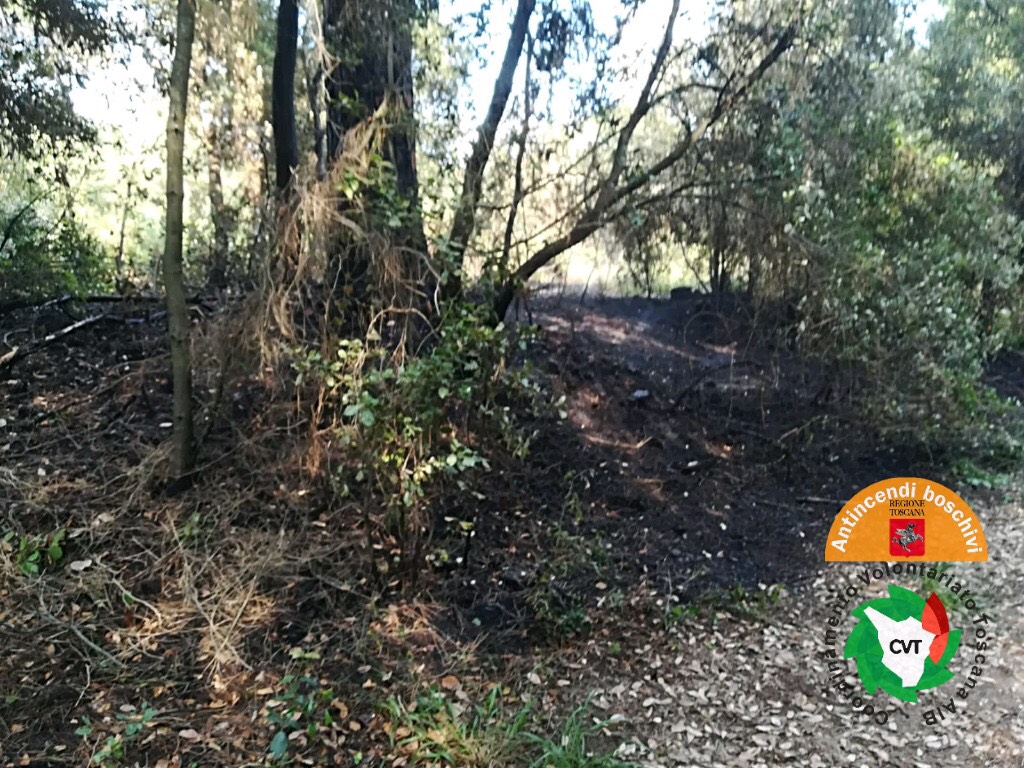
[[913, 281], [40, 258], [407, 426]]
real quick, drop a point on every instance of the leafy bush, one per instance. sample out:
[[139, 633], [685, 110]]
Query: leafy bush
[[913, 278], [40, 258], [408, 425]]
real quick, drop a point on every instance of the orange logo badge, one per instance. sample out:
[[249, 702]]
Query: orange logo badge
[[906, 519]]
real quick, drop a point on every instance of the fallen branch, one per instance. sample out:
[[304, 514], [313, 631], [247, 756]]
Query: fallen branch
[[7, 307], [79, 634], [705, 374], [17, 353]]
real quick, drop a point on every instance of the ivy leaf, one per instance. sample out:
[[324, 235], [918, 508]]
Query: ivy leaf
[[279, 745]]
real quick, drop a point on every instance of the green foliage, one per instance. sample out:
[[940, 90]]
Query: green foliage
[[304, 706], [914, 277], [974, 72], [970, 472], [109, 752], [434, 731], [574, 746], [44, 45], [40, 258], [736, 600], [559, 617], [406, 425], [33, 554]]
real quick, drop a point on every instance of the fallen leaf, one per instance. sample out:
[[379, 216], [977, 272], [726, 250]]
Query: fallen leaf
[[342, 709], [450, 683]]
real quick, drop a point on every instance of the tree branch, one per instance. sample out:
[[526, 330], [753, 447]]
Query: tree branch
[[595, 216], [472, 185]]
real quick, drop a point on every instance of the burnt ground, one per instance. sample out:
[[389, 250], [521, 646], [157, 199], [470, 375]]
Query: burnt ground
[[696, 466]]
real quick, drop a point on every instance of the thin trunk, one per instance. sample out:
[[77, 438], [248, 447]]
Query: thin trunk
[[517, 191], [313, 65], [219, 213], [472, 183], [314, 84], [286, 137], [174, 281], [119, 256]]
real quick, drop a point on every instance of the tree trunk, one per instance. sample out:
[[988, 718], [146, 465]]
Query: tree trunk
[[174, 281], [314, 76], [473, 179], [370, 79], [517, 188], [219, 213], [371, 41], [119, 276], [286, 137]]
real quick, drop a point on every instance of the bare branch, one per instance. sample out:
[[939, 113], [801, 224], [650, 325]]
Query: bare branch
[[643, 106], [595, 217]]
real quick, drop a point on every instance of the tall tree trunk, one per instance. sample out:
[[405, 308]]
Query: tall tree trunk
[[370, 46], [371, 41], [473, 179], [174, 281], [286, 137]]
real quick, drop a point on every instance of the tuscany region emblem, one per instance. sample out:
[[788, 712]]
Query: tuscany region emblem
[[902, 643], [906, 537]]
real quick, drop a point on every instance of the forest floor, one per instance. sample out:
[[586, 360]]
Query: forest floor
[[650, 577]]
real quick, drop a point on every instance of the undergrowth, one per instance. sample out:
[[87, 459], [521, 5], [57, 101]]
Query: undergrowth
[[436, 731], [398, 430]]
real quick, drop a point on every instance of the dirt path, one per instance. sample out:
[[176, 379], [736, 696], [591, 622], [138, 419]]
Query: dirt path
[[745, 683]]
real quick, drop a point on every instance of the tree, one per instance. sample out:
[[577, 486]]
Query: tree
[[42, 47], [975, 69], [234, 45], [465, 214], [286, 138], [622, 185], [174, 280], [370, 78]]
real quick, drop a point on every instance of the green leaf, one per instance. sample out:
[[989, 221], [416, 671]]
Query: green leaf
[[279, 745]]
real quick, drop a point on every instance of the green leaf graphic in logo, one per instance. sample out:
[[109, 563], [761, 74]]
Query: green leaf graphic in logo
[[902, 643]]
